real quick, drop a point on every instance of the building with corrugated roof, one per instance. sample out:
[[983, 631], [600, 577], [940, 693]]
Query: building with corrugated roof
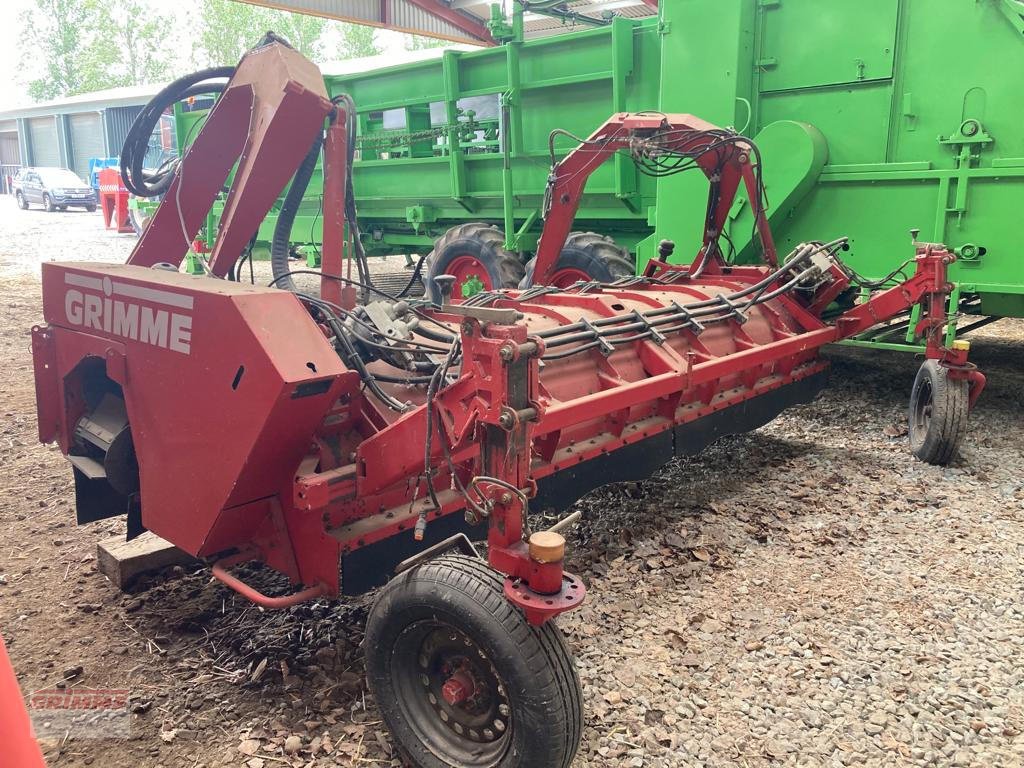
[[68, 132]]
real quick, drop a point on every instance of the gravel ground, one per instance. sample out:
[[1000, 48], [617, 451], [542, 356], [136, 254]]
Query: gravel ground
[[803, 595]]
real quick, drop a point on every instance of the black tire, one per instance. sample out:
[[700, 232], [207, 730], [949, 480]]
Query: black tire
[[91, 208], [523, 675], [22, 202], [482, 242], [62, 207], [48, 203], [937, 415], [594, 255]]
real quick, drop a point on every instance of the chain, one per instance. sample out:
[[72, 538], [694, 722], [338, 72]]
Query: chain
[[384, 140], [378, 141]]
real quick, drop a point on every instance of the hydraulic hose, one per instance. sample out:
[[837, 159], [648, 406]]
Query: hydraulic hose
[[279, 247], [693, 309], [351, 215], [133, 154]]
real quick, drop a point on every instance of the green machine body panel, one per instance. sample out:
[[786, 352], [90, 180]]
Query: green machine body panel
[[874, 118]]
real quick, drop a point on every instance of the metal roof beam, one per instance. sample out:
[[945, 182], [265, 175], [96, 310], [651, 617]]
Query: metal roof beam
[[460, 20]]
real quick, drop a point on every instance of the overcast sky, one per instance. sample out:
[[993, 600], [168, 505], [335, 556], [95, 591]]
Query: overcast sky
[[12, 92]]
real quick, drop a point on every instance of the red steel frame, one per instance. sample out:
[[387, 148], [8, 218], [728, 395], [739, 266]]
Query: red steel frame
[[625, 131], [294, 465]]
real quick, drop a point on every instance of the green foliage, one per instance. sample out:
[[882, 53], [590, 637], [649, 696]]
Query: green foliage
[[357, 40], [303, 31], [53, 31], [87, 45], [84, 45], [420, 42], [135, 40], [229, 29]]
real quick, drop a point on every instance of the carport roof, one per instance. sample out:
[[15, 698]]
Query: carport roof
[[462, 21]]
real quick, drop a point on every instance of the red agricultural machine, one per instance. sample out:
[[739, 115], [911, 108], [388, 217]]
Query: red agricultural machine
[[353, 445], [114, 201]]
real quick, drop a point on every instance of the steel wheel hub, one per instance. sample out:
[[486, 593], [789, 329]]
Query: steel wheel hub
[[470, 276], [563, 278], [452, 694]]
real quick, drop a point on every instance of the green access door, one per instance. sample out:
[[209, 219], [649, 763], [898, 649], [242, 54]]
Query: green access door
[[808, 43]]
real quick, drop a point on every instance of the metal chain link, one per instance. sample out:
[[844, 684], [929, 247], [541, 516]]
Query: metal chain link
[[382, 140], [386, 140]]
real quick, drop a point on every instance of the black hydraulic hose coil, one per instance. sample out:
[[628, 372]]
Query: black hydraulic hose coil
[[136, 144], [281, 243]]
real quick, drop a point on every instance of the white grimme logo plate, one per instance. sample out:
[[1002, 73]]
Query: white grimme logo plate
[[166, 328]]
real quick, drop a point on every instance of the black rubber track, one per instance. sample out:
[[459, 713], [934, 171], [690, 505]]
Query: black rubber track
[[547, 715]]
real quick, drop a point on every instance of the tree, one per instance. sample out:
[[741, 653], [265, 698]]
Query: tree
[[420, 42], [303, 31], [357, 40], [229, 29], [55, 32], [136, 36], [85, 45]]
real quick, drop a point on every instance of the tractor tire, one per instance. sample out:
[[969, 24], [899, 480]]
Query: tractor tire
[[586, 256], [48, 204], [937, 418], [476, 255], [22, 202], [517, 701]]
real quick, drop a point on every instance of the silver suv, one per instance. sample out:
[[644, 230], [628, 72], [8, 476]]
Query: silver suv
[[53, 188]]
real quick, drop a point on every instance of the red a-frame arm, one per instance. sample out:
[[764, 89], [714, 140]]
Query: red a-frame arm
[[266, 120], [651, 134]]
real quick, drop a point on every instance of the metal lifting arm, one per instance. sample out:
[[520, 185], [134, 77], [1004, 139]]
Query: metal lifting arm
[[724, 157], [266, 120]]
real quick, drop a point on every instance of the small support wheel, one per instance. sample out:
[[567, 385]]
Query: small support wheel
[[937, 414], [462, 679], [586, 256], [476, 255], [139, 221]]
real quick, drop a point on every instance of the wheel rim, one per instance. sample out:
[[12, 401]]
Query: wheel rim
[[922, 411], [470, 276], [563, 278], [451, 695]]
